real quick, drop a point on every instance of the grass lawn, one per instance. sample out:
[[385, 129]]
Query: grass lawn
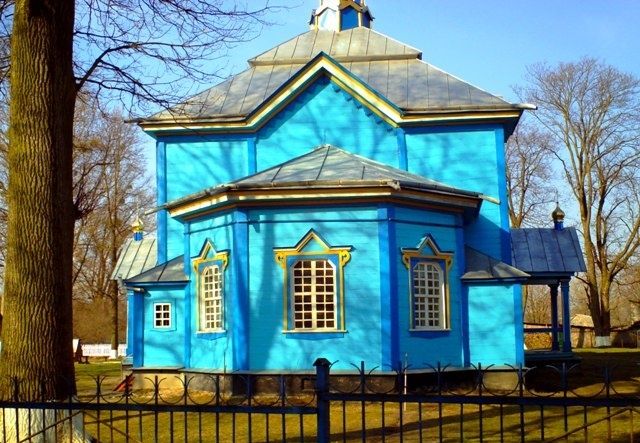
[[108, 373], [384, 420]]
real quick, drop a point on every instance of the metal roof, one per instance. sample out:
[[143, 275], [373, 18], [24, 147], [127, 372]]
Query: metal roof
[[390, 68], [547, 252], [135, 257], [327, 163], [327, 166], [356, 44], [168, 272], [479, 266]]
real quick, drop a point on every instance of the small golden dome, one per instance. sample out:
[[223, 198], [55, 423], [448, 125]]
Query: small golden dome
[[137, 225], [558, 214]]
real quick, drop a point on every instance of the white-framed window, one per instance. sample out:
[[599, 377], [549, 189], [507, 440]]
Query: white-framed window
[[211, 299], [428, 295], [314, 295], [313, 285], [162, 315]]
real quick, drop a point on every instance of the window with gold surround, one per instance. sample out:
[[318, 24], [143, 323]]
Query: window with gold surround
[[313, 285], [428, 268], [209, 267]]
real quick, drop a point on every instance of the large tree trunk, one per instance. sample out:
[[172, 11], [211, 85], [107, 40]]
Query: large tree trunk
[[600, 313], [37, 332]]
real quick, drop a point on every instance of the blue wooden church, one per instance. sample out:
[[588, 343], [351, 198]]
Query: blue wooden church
[[341, 198]]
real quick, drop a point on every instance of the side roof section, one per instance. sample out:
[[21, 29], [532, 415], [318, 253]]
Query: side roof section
[[135, 257], [549, 252]]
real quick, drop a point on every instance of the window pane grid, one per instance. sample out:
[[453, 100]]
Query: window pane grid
[[211, 305], [428, 295], [314, 302], [162, 315]]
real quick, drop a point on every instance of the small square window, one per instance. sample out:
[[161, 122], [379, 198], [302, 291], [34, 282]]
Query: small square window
[[162, 315]]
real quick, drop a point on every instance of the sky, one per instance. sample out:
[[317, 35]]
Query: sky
[[488, 43]]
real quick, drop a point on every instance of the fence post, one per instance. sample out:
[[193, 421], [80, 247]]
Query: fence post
[[322, 389]]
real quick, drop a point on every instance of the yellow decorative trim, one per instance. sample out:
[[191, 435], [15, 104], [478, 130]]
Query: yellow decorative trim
[[264, 196], [427, 241], [222, 257], [435, 255], [345, 3], [282, 254], [355, 87], [344, 257], [219, 256]]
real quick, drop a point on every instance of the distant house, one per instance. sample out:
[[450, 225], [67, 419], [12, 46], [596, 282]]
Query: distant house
[[341, 198]]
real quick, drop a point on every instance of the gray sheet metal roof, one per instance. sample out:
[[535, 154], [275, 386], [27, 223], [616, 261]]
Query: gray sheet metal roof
[[346, 46], [546, 251], [479, 266], [135, 257], [328, 163], [328, 167], [168, 272], [392, 69]]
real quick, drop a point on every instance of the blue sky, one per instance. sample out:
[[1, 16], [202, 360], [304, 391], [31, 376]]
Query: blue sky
[[487, 43]]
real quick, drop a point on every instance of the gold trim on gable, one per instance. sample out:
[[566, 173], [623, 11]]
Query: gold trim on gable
[[218, 256], [427, 241], [336, 73]]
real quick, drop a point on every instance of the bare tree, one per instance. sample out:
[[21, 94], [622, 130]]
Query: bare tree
[[529, 154], [133, 52], [529, 185], [593, 111], [111, 189], [538, 310]]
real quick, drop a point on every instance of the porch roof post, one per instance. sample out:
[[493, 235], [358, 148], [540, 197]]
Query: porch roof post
[[555, 344], [566, 317]]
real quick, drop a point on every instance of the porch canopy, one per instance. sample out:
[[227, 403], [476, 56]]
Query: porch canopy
[[550, 256]]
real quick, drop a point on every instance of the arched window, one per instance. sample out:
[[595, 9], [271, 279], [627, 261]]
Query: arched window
[[211, 299], [314, 295], [428, 296]]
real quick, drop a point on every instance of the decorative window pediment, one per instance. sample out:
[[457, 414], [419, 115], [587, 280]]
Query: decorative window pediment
[[428, 268], [312, 244], [313, 285], [209, 268], [427, 248], [208, 252]]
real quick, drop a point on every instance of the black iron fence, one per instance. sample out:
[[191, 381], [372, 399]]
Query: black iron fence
[[561, 403]]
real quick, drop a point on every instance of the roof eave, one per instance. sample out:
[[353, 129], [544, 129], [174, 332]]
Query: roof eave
[[326, 184], [134, 284], [479, 280], [501, 107], [465, 203]]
